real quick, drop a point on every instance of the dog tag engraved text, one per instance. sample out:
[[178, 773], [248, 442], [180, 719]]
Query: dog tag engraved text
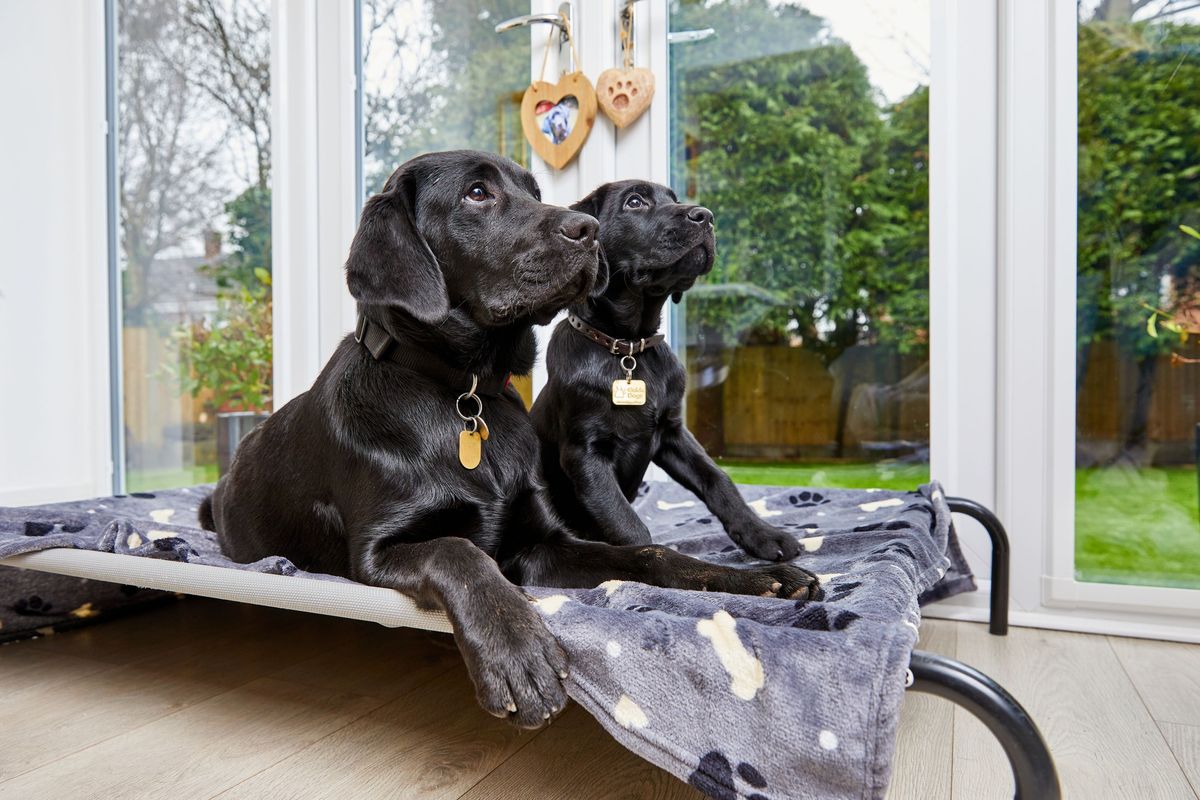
[[470, 448], [626, 392]]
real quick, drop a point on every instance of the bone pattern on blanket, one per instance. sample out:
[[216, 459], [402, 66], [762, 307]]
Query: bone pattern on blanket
[[740, 696]]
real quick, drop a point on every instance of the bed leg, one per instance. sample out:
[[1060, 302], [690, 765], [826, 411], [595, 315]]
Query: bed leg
[[1032, 766], [998, 616]]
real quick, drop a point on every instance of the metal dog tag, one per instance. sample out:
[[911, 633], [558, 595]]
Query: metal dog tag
[[470, 449], [484, 433], [626, 392]]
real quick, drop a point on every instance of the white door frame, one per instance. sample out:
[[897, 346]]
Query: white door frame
[[314, 197]]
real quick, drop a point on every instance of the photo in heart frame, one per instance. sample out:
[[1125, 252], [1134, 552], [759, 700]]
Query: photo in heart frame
[[557, 120]]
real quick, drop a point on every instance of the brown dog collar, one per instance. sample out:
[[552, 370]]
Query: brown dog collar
[[382, 347], [618, 347]]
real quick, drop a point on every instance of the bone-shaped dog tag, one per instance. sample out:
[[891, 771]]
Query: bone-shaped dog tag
[[626, 392], [470, 449]]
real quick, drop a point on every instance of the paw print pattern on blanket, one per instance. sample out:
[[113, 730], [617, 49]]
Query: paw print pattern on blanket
[[42, 528], [32, 606], [816, 617], [714, 777], [840, 591], [807, 499]]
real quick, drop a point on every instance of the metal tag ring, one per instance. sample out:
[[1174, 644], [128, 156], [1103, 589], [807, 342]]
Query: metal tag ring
[[632, 363], [474, 426], [458, 406]]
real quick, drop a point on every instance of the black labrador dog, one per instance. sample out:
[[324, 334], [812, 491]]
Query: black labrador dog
[[411, 464], [597, 444]]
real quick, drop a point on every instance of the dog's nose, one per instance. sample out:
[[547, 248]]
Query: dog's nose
[[580, 228], [700, 215]]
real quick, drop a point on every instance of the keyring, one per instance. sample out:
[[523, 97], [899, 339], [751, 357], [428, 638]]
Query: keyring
[[632, 366], [478, 405], [474, 424]]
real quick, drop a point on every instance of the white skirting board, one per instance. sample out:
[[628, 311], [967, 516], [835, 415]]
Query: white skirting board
[[386, 607]]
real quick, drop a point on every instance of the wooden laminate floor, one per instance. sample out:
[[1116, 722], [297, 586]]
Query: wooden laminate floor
[[204, 699]]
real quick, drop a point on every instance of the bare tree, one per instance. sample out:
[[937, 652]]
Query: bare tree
[[194, 87], [231, 64], [402, 70], [167, 180], [1141, 10]]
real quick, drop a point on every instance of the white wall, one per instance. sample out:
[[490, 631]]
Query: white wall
[[54, 420]]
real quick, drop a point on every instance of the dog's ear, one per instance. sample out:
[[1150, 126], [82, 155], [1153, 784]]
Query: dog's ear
[[677, 297], [390, 263], [592, 203]]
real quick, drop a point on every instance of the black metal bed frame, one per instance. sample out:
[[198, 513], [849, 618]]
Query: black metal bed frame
[[1033, 769]]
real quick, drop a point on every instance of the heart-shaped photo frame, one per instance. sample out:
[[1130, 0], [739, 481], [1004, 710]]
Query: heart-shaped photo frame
[[557, 117], [624, 94]]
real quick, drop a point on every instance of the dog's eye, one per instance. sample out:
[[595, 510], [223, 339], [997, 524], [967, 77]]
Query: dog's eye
[[477, 193], [635, 201]]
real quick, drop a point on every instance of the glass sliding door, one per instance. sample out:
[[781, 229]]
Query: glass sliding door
[[193, 95], [1138, 286], [804, 126]]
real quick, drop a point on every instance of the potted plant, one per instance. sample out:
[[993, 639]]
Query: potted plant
[[1181, 320], [229, 356]]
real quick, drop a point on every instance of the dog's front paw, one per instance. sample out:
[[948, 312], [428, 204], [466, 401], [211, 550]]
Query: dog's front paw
[[773, 580], [766, 542], [784, 580], [517, 666]]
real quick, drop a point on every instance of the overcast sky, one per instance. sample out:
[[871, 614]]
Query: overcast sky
[[890, 36]]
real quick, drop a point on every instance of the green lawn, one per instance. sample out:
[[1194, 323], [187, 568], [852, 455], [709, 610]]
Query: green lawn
[[845, 475], [1138, 526], [148, 480]]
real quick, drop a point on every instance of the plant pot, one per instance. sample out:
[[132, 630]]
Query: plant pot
[[232, 427]]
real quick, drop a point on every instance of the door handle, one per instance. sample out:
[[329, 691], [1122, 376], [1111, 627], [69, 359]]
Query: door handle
[[685, 37], [526, 20]]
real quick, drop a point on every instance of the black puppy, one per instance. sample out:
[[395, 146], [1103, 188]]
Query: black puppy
[[597, 443], [382, 471]]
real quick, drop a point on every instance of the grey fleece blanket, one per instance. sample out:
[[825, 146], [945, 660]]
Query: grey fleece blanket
[[743, 697]]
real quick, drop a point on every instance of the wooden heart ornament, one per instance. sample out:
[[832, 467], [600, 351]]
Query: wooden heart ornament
[[557, 117], [624, 94]]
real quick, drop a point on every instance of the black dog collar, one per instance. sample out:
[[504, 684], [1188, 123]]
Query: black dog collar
[[618, 347], [383, 347]]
